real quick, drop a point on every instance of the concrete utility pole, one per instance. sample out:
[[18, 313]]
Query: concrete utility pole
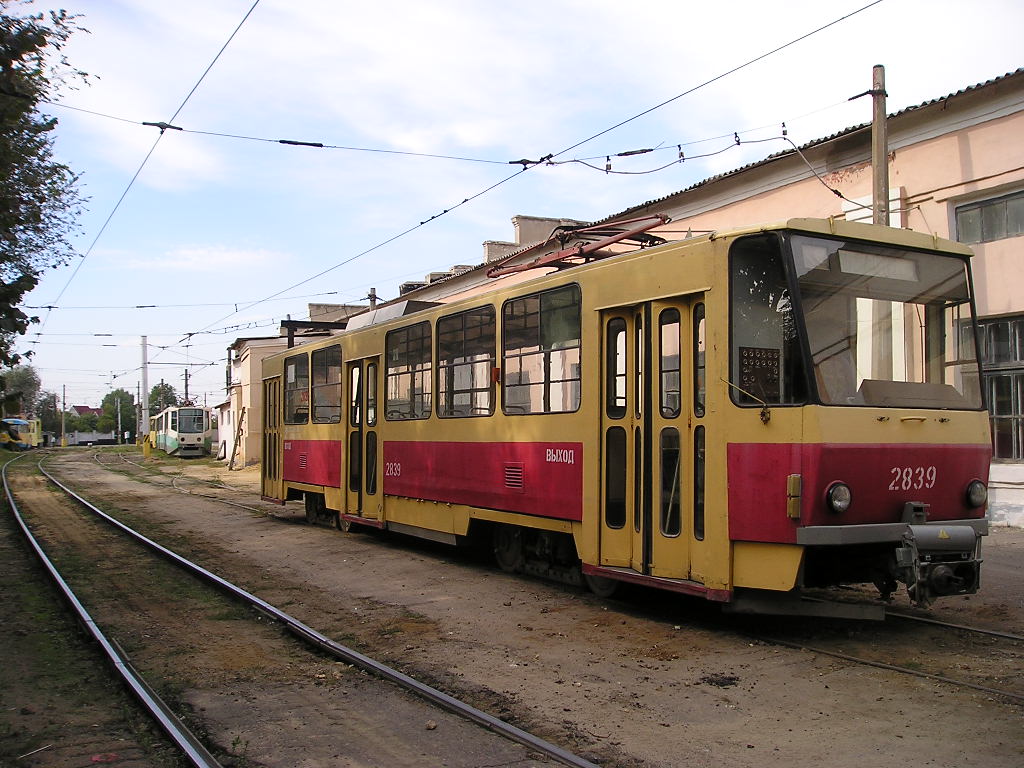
[[63, 408], [879, 148], [144, 426]]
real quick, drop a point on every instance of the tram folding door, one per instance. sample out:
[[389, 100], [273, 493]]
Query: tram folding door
[[652, 360], [362, 484], [271, 460]]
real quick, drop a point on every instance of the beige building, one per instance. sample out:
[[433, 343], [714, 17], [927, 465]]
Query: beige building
[[244, 406]]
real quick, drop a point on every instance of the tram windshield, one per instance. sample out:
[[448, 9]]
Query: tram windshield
[[190, 420], [885, 327]]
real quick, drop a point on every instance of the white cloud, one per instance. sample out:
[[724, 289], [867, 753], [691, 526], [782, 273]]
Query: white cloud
[[203, 259]]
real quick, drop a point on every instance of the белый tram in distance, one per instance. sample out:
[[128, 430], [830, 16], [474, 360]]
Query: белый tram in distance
[[183, 431], [739, 416]]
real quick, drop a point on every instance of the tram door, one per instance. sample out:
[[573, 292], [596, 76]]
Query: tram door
[[361, 476], [647, 428], [271, 460]]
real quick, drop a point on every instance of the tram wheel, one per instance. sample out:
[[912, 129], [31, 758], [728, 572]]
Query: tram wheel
[[309, 501], [508, 548], [601, 586]]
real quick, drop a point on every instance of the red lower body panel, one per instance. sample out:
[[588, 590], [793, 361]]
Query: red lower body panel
[[315, 462], [543, 479], [882, 479]]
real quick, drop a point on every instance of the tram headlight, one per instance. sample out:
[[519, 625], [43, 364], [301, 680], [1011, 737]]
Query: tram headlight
[[839, 497], [977, 493]]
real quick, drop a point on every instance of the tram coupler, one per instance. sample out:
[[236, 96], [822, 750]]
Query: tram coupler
[[939, 560]]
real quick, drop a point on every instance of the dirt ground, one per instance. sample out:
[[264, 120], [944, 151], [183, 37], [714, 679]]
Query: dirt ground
[[649, 680]]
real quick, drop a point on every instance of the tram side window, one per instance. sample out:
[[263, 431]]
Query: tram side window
[[766, 363], [327, 385], [296, 390], [669, 365], [699, 365], [615, 365], [408, 372], [541, 352], [465, 358]]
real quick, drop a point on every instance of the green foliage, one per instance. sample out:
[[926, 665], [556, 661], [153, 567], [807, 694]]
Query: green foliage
[[87, 422], [108, 422], [39, 200], [47, 410], [162, 396], [21, 390]]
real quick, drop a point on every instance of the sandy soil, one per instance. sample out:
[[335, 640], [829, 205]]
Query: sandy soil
[[654, 680]]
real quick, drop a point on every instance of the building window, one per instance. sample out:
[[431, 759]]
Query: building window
[[989, 220], [296, 390], [465, 359], [541, 343], [408, 372], [1002, 360]]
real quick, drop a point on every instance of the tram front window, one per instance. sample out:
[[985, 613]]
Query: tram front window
[[190, 420], [767, 361], [886, 327]]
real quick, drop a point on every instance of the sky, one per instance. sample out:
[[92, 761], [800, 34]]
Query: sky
[[197, 237]]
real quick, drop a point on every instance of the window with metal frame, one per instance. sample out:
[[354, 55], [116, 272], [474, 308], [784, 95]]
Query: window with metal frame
[[296, 389], [1002, 360], [541, 339], [987, 220], [465, 359], [407, 377], [326, 385]]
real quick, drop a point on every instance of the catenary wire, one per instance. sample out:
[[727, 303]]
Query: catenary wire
[[142, 165], [528, 164]]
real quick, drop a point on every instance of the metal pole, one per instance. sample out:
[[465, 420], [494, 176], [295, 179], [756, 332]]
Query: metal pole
[[63, 408], [879, 147]]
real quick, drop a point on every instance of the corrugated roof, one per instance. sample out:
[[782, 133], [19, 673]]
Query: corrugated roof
[[810, 145]]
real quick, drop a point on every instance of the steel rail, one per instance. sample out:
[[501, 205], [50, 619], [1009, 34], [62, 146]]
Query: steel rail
[[173, 486], [951, 625], [185, 740], [342, 652], [891, 667]]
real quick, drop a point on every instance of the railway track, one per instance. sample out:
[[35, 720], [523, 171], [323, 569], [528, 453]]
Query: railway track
[[115, 539], [835, 649]]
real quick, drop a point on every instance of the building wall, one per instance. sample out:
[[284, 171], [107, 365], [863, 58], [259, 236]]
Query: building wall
[[246, 392]]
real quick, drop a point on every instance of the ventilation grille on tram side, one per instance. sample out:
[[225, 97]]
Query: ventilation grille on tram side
[[514, 477]]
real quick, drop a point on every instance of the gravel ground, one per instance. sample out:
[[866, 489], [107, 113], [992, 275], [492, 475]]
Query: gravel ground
[[650, 680]]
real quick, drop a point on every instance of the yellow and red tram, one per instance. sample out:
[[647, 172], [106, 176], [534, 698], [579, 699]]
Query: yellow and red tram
[[738, 416]]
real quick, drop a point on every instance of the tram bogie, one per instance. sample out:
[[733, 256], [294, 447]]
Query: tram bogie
[[738, 417]]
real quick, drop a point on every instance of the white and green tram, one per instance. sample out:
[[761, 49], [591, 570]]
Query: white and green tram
[[182, 431]]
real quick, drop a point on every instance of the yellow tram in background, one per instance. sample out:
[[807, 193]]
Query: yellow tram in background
[[737, 416]]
